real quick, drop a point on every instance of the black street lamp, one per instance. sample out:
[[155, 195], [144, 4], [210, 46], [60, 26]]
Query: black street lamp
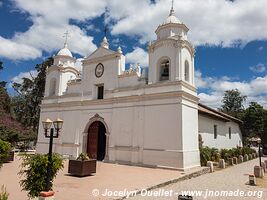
[[259, 143], [47, 125]]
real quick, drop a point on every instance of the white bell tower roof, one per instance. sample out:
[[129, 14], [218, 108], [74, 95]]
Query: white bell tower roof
[[172, 18], [65, 52]]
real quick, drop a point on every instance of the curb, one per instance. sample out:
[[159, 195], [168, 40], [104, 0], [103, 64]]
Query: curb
[[204, 170]]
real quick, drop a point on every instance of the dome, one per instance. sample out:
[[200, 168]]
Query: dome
[[64, 52], [172, 19]]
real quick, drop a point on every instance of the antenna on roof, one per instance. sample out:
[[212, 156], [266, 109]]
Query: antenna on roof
[[66, 36]]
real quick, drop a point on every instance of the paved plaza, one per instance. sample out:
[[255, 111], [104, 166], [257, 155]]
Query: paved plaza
[[230, 179], [109, 176], [124, 178]]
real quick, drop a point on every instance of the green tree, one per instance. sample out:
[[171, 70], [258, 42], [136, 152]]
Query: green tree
[[34, 172], [5, 147], [4, 97], [254, 120], [30, 94], [233, 102]]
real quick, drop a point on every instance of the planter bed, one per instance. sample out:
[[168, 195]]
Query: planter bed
[[82, 168]]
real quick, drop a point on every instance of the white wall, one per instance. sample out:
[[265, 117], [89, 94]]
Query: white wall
[[206, 129]]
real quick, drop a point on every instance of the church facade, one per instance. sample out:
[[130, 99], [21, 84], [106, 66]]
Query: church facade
[[130, 116]]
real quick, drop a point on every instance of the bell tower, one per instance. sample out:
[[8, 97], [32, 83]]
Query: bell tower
[[171, 55], [61, 72]]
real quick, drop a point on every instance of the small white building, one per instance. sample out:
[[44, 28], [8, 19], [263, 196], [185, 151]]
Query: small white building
[[128, 116]]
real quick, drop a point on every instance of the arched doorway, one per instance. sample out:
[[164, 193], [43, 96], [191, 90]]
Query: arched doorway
[[96, 141]]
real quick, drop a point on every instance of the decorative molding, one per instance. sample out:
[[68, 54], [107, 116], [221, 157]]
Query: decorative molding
[[63, 56], [62, 69], [171, 150], [126, 99], [125, 148], [162, 26], [172, 41], [101, 59]]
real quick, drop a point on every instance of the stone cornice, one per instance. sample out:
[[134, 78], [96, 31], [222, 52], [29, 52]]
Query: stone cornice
[[101, 59], [62, 69], [139, 87], [126, 99], [62, 56], [183, 26], [176, 42]]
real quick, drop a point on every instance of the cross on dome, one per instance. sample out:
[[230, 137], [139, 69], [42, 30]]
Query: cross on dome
[[65, 51], [172, 18], [172, 10], [66, 35]]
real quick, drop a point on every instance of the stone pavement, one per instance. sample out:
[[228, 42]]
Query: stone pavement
[[109, 176], [230, 179]]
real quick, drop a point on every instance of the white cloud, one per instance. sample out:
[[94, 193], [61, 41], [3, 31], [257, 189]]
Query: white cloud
[[19, 78], [1, 3], [138, 55], [217, 22], [14, 50], [259, 68], [50, 20], [254, 89]]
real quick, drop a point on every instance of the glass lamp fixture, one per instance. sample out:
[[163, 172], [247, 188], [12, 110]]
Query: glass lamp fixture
[[58, 124]]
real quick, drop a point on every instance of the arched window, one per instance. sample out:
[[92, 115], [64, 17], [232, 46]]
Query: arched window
[[164, 70], [52, 87], [186, 71]]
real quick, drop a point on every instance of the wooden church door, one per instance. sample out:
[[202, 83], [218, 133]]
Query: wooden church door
[[92, 140]]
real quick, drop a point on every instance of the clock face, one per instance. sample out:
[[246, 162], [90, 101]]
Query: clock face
[[99, 70]]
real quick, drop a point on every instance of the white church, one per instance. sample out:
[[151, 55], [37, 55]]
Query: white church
[[130, 116]]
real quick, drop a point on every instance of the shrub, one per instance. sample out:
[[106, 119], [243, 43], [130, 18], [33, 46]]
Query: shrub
[[83, 156], [34, 172], [237, 151], [205, 155], [225, 154], [215, 155], [3, 194], [5, 148]]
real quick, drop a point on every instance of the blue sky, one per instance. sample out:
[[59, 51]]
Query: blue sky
[[229, 37]]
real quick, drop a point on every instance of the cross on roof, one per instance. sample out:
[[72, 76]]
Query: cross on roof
[[66, 36]]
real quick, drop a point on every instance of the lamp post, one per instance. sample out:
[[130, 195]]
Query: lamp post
[[259, 143], [47, 125]]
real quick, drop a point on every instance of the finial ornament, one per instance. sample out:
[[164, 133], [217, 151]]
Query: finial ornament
[[172, 9], [66, 35], [105, 43]]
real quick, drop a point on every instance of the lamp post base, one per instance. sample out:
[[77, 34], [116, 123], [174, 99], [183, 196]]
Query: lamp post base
[[47, 195]]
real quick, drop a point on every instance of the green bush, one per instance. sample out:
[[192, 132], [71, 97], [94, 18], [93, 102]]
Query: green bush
[[3, 194], [83, 156], [225, 154], [213, 154], [247, 150], [205, 155], [34, 172], [237, 151], [5, 148]]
